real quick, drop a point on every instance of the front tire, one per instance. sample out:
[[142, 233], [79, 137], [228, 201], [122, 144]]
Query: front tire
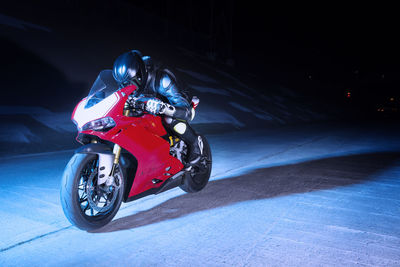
[[199, 176], [76, 181]]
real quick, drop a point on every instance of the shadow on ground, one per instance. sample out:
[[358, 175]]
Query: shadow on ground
[[264, 183]]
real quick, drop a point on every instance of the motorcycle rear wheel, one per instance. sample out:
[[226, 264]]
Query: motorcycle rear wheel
[[77, 179], [199, 178]]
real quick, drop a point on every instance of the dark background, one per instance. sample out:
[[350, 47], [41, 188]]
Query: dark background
[[52, 50]]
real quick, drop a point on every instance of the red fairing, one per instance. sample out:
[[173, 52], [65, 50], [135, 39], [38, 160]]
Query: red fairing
[[141, 136]]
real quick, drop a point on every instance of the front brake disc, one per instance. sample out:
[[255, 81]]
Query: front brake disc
[[95, 190]]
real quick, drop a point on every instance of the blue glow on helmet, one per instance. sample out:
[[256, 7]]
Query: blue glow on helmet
[[121, 70]]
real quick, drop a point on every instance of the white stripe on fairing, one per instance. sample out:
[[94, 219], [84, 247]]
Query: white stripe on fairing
[[83, 116]]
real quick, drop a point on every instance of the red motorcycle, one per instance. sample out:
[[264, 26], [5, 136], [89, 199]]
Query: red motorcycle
[[124, 157]]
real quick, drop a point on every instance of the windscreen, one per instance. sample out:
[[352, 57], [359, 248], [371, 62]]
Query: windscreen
[[104, 86]]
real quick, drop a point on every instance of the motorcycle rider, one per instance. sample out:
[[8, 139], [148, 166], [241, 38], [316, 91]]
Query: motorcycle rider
[[160, 94]]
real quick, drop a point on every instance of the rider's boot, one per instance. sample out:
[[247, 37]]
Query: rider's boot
[[194, 152], [189, 136]]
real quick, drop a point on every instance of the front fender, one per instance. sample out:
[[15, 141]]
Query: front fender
[[106, 159], [94, 148]]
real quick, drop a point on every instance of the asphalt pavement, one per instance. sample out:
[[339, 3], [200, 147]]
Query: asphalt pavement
[[314, 195]]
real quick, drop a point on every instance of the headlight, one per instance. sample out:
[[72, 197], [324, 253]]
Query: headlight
[[103, 124]]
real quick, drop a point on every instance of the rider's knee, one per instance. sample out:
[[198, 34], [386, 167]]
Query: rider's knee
[[180, 128]]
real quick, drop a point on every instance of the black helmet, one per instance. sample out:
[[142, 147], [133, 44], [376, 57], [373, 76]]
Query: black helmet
[[129, 69]]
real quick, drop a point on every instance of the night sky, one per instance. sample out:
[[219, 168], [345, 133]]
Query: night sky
[[323, 50]]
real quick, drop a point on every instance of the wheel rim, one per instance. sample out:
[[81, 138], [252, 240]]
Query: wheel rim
[[94, 200]]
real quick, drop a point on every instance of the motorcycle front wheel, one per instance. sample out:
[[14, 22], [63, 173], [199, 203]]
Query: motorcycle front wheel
[[86, 204]]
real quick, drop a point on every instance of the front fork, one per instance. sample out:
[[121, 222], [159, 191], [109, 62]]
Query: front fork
[[117, 153], [117, 148], [109, 162]]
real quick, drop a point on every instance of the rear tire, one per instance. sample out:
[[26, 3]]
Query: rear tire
[[70, 199], [198, 180]]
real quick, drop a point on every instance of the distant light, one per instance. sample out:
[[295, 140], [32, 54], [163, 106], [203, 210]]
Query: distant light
[[392, 99], [348, 94]]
